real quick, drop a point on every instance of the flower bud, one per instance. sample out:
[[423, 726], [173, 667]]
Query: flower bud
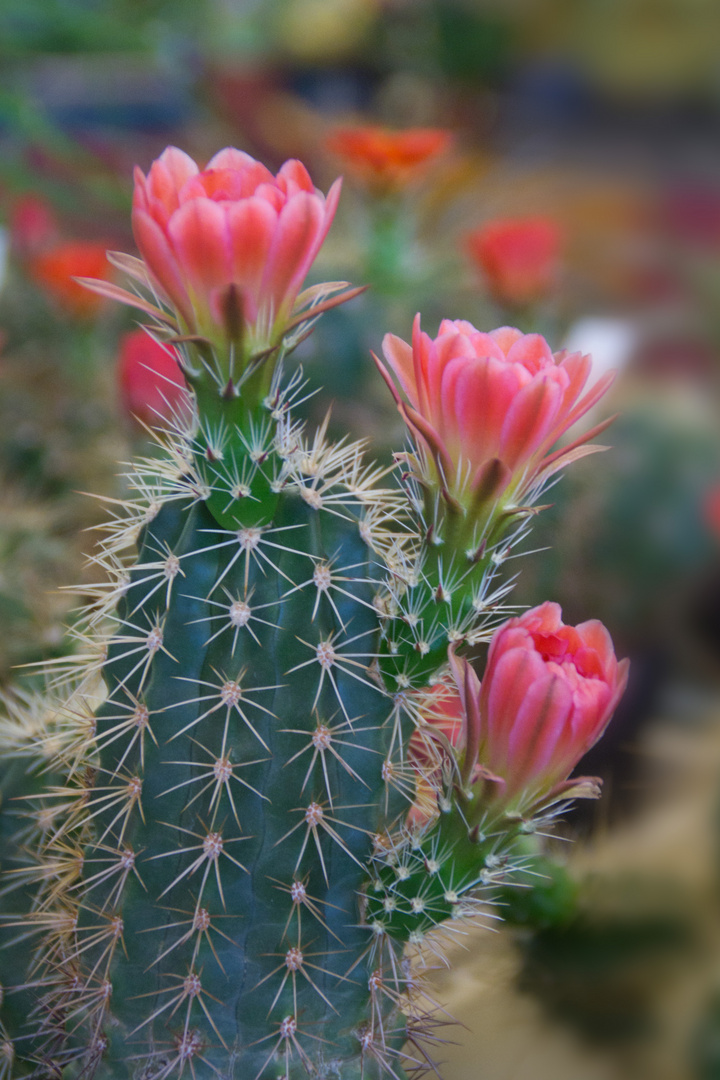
[[547, 695]]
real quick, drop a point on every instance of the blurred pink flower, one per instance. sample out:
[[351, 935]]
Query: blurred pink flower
[[489, 406], [33, 225], [231, 230], [519, 257], [546, 697], [151, 383]]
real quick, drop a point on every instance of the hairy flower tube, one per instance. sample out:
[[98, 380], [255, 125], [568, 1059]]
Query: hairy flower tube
[[518, 257], [547, 695], [230, 244], [486, 408]]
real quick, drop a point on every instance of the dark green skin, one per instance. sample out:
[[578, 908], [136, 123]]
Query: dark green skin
[[238, 988]]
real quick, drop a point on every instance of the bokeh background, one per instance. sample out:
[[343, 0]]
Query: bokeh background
[[570, 186]]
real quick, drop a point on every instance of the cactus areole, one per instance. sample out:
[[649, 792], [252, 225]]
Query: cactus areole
[[230, 871]]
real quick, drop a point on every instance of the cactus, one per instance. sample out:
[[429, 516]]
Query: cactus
[[257, 816]]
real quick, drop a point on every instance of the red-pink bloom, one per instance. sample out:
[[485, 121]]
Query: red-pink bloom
[[546, 697], [519, 257], [151, 383], [489, 406], [231, 224]]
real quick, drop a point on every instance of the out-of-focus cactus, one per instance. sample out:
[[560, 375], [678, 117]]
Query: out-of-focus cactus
[[241, 860]]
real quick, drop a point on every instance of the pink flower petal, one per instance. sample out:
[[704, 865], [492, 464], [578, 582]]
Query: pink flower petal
[[505, 337], [399, 356], [200, 236], [528, 420], [532, 351], [251, 225], [166, 178], [161, 261], [295, 172], [540, 729], [297, 237]]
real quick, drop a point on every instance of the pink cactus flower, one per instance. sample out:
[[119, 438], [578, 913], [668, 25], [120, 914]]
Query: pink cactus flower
[[488, 407], [232, 224], [151, 383], [547, 695]]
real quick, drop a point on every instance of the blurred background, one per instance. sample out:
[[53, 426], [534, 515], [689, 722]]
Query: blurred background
[[548, 164]]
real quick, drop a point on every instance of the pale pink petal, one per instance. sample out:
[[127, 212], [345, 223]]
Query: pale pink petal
[[167, 177], [578, 366], [595, 636], [331, 203], [295, 172], [532, 351], [299, 227], [399, 356], [593, 395], [504, 689], [200, 236], [161, 261], [251, 224], [540, 732], [140, 199], [238, 160], [505, 337], [528, 420], [485, 391], [422, 348], [271, 194], [114, 292]]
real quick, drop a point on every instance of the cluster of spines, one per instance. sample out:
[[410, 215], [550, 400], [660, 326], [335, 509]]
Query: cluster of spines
[[87, 858]]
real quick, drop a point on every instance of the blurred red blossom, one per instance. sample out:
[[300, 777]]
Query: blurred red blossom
[[151, 383], [55, 269], [518, 257], [387, 161]]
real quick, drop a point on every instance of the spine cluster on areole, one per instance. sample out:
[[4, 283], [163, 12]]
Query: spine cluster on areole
[[257, 787]]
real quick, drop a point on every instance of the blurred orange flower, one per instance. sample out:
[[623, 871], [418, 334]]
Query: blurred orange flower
[[519, 257], [55, 269], [387, 161]]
